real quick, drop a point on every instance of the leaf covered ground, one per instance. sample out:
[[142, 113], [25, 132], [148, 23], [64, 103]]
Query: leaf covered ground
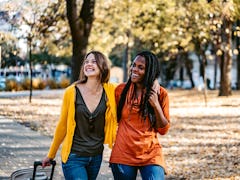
[[202, 143]]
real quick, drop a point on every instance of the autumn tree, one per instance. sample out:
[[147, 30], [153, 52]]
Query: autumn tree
[[41, 22], [237, 33], [237, 40], [80, 16], [9, 50], [171, 28], [30, 26], [123, 27], [54, 33], [225, 12]]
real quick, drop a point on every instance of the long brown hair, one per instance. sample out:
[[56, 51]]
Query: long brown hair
[[102, 64]]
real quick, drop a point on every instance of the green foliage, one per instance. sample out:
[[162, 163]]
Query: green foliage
[[162, 26], [44, 58], [236, 8], [165, 27], [54, 30]]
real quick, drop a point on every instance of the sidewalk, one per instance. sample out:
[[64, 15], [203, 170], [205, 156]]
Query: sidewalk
[[21, 146]]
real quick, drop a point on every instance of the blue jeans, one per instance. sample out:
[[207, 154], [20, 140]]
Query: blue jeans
[[125, 172], [81, 168]]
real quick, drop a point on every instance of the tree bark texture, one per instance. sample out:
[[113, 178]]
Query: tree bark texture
[[80, 25], [238, 59], [226, 60]]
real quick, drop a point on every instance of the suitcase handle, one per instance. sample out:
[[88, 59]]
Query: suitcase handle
[[39, 163]]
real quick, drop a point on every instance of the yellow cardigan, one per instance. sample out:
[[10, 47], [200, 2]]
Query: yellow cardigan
[[66, 125]]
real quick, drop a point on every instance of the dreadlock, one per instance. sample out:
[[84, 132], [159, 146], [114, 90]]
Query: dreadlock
[[152, 72], [122, 100]]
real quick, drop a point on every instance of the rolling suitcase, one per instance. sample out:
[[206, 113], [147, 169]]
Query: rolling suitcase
[[35, 173]]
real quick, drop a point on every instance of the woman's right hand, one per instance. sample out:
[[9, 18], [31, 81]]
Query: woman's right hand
[[46, 162]]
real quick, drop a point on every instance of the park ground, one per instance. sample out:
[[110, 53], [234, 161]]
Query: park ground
[[202, 143]]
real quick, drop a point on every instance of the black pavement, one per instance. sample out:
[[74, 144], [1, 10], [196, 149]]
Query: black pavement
[[20, 147]]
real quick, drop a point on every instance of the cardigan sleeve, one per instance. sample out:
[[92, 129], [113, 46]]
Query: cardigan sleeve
[[61, 127], [110, 128]]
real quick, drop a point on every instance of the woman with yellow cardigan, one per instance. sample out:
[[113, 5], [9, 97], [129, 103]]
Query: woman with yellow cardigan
[[87, 121]]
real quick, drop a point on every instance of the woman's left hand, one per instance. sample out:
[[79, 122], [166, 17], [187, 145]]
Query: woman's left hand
[[156, 86], [153, 98]]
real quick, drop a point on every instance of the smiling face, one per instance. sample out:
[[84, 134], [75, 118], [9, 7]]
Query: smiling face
[[138, 70], [95, 65], [91, 68]]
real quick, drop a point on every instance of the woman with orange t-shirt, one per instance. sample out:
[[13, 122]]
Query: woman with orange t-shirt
[[142, 114]]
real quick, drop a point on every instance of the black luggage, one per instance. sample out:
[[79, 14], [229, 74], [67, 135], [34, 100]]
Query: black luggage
[[35, 173]]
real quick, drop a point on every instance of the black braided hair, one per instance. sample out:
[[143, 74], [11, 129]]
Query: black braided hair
[[122, 99], [152, 72]]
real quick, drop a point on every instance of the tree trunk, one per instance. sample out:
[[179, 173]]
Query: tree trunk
[[204, 62], [226, 60], [238, 59], [30, 65], [80, 26], [181, 75], [217, 59], [189, 72], [188, 65]]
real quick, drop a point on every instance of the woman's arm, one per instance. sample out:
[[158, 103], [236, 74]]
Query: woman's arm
[[161, 112]]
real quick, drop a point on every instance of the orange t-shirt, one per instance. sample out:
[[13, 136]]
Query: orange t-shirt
[[136, 142]]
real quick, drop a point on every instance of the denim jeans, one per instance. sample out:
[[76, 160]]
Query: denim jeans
[[125, 172], [81, 168]]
